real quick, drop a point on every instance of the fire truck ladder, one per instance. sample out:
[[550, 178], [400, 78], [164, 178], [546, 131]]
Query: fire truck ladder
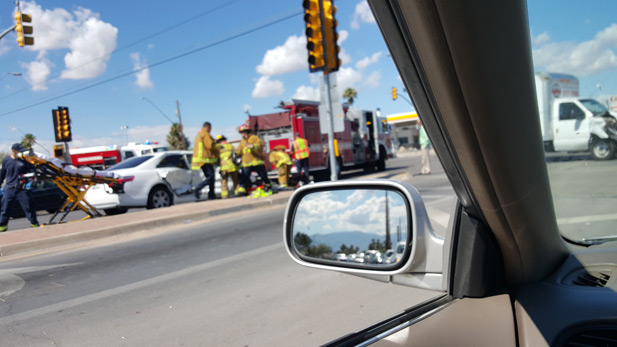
[[74, 185]]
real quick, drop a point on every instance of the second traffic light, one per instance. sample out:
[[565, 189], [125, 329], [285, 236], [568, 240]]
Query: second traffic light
[[62, 124], [393, 93], [23, 30], [331, 38]]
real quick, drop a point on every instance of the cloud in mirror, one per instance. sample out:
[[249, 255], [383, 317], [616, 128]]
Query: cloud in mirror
[[360, 226]]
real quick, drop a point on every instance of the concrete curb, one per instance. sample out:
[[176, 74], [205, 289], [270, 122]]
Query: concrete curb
[[70, 238]]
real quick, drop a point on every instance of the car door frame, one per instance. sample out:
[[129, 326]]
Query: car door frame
[[492, 249]]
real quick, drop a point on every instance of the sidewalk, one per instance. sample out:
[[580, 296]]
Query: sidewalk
[[14, 242]]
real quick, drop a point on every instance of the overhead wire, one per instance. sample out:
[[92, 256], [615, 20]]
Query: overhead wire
[[231, 37], [136, 42]]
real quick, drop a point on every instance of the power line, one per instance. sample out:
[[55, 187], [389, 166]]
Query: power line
[[161, 62], [136, 42]]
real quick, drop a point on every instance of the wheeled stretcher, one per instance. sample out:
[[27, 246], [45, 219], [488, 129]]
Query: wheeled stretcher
[[74, 182]]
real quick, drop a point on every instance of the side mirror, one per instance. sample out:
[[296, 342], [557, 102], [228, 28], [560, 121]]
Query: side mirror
[[375, 228]]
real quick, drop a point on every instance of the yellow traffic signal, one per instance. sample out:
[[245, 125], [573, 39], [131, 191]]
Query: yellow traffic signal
[[23, 30], [62, 124], [393, 93], [314, 38], [331, 39]]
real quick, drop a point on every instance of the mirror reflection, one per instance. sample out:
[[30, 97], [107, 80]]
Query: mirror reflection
[[361, 226]]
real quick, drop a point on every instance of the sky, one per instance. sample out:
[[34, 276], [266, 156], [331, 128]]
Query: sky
[[120, 67]]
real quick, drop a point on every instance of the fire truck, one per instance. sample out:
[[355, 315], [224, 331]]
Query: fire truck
[[102, 157], [365, 142]]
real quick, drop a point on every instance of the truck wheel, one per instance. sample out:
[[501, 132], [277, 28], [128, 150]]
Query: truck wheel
[[602, 150], [159, 197], [115, 211]]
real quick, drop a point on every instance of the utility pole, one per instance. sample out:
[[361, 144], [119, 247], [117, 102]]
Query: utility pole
[[180, 121]]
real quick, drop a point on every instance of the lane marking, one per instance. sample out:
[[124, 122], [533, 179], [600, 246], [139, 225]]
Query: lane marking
[[134, 286]]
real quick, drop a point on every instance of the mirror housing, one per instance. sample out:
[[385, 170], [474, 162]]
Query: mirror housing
[[422, 262]]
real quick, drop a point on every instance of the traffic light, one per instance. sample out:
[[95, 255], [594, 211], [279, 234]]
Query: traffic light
[[59, 151], [331, 39], [314, 37], [62, 124], [393, 93], [22, 30]]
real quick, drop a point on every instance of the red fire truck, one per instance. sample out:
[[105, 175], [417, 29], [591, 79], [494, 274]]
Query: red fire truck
[[365, 142], [102, 157]]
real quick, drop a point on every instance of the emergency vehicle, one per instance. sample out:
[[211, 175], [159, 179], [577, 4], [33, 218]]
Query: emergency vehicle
[[102, 157], [364, 143]]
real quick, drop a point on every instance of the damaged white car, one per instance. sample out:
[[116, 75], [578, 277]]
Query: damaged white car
[[158, 180]]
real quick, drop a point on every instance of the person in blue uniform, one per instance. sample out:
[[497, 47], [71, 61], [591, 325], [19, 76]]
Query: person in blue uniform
[[12, 169]]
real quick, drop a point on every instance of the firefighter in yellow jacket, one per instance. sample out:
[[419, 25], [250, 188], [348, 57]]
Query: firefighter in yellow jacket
[[282, 162], [205, 157], [229, 170], [251, 150], [302, 154]]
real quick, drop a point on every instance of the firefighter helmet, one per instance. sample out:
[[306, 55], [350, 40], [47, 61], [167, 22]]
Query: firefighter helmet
[[243, 128], [221, 138]]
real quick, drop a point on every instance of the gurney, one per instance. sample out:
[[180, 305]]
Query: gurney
[[74, 182]]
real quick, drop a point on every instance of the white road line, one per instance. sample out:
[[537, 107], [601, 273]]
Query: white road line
[[137, 285], [586, 219]]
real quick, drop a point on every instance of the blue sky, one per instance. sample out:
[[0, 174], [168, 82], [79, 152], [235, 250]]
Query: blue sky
[[246, 56]]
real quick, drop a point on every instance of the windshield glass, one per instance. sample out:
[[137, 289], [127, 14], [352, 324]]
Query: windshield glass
[[130, 163], [594, 106], [578, 42]]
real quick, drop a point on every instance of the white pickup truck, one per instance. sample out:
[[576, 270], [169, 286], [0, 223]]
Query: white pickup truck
[[570, 123]]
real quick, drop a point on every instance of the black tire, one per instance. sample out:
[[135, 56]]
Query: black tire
[[602, 150], [115, 211], [159, 197], [51, 210]]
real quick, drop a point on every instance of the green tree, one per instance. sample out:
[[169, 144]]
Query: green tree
[[174, 138], [377, 245], [348, 250], [28, 141], [302, 242], [320, 251], [350, 94]]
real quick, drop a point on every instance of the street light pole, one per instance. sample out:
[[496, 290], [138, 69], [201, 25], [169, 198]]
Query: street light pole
[[126, 132], [181, 127]]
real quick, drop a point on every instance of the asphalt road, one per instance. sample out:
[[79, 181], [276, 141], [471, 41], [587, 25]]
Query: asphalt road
[[225, 282]]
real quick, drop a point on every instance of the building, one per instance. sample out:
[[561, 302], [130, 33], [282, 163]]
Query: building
[[404, 129]]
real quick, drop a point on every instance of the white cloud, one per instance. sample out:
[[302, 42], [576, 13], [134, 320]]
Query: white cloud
[[37, 72], [265, 87], [582, 59], [306, 93], [347, 78], [142, 77], [540, 39], [291, 56], [362, 14], [373, 79], [89, 39], [364, 63]]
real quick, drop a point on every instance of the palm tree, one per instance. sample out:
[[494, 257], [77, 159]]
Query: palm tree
[[174, 138], [28, 141], [350, 94]]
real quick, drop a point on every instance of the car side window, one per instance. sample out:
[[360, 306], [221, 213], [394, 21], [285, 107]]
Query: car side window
[[570, 111], [173, 161]]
